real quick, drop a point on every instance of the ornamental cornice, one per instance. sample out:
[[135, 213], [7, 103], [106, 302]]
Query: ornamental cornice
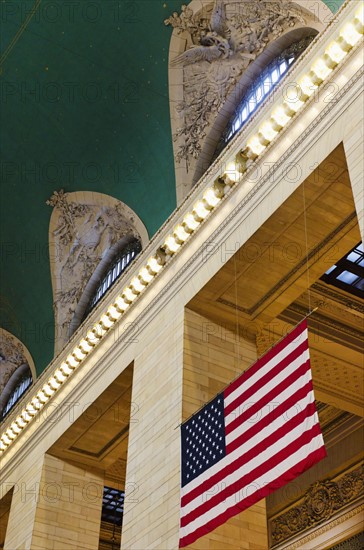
[[321, 502]]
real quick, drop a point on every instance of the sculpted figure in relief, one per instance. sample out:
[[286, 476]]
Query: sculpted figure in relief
[[83, 234], [222, 40]]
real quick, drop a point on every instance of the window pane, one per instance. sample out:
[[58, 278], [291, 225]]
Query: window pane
[[347, 277]]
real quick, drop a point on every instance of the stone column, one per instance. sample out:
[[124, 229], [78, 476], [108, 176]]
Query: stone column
[[151, 517], [354, 146], [58, 506]]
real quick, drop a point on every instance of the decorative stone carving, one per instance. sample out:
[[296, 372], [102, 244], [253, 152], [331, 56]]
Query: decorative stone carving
[[222, 40], [322, 500], [12, 356], [85, 226]]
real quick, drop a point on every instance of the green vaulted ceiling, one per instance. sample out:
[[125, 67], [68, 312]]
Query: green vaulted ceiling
[[84, 106]]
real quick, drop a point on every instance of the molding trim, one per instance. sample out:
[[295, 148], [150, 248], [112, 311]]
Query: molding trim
[[321, 502]]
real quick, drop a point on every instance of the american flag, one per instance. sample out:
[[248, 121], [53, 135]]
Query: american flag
[[257, 435]]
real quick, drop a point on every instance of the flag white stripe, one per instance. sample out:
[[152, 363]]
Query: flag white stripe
[[299, 383], [256, 461], [274, 425], [268, 367], [264, 390], [260, 482]]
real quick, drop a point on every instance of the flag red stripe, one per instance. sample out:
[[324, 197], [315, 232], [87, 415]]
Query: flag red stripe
[[268, 397], [286, 477], [279, 411], [268, 377], [254, 451], [273, 461], [296, 333]]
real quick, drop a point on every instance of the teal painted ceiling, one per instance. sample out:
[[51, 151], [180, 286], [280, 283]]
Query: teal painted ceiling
[[84, 106]]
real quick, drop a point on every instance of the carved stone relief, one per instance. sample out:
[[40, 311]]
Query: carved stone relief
[[217, 44], [13, 354], [83, 227], [321, 502]]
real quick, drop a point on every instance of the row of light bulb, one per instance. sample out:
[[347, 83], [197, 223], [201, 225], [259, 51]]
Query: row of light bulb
[[306, 86], [83, 348], [280, 116]]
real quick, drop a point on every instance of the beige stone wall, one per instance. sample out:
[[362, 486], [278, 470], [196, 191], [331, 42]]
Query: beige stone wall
[[23, 506], [151, 516], [56, 506], [68, 512], [213, 357]]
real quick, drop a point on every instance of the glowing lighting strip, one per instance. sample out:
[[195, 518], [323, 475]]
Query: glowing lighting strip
[[255, 146]]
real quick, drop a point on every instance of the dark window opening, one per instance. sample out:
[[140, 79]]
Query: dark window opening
[[111, 519], [348, 273], [21, 387], [116, 269], [260, 89]]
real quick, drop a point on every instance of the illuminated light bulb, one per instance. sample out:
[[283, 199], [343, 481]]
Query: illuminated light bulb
[[307, 86], [15, 428], [280, 116], [359, 14], [358, 25], [66, 369], [72, 362], [26, 416], [48, 390], [31, 410], [315, 78], [200, 211], [85, 346], [341, 42], [211, 197], [59, 376], [321, 69], [263, 139], [255, 145], [121, 304], [335, 53], [36, 403], [137, 285], [145, 275], [232, 172], [329, 62], [79, 353], [293, 106], [190, 222], [106, 322], [128, 294], [54, 383], [11, 435], [42, 397], [171, 245], [99, 331], [6, 440], [20, 422], [154, 265], [2, 445], [113, 313], [180, 233], [350, 34], [268, 131]]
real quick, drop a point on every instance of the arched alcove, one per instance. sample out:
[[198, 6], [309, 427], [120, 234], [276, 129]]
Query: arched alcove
[[17, 371], [84, 228]]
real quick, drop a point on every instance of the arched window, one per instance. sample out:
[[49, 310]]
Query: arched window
[[260, 90], [119, 264], [15, 388], [112, 266]]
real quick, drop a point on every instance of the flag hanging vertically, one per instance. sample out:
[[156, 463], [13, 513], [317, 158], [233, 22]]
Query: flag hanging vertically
[[260, 433]]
